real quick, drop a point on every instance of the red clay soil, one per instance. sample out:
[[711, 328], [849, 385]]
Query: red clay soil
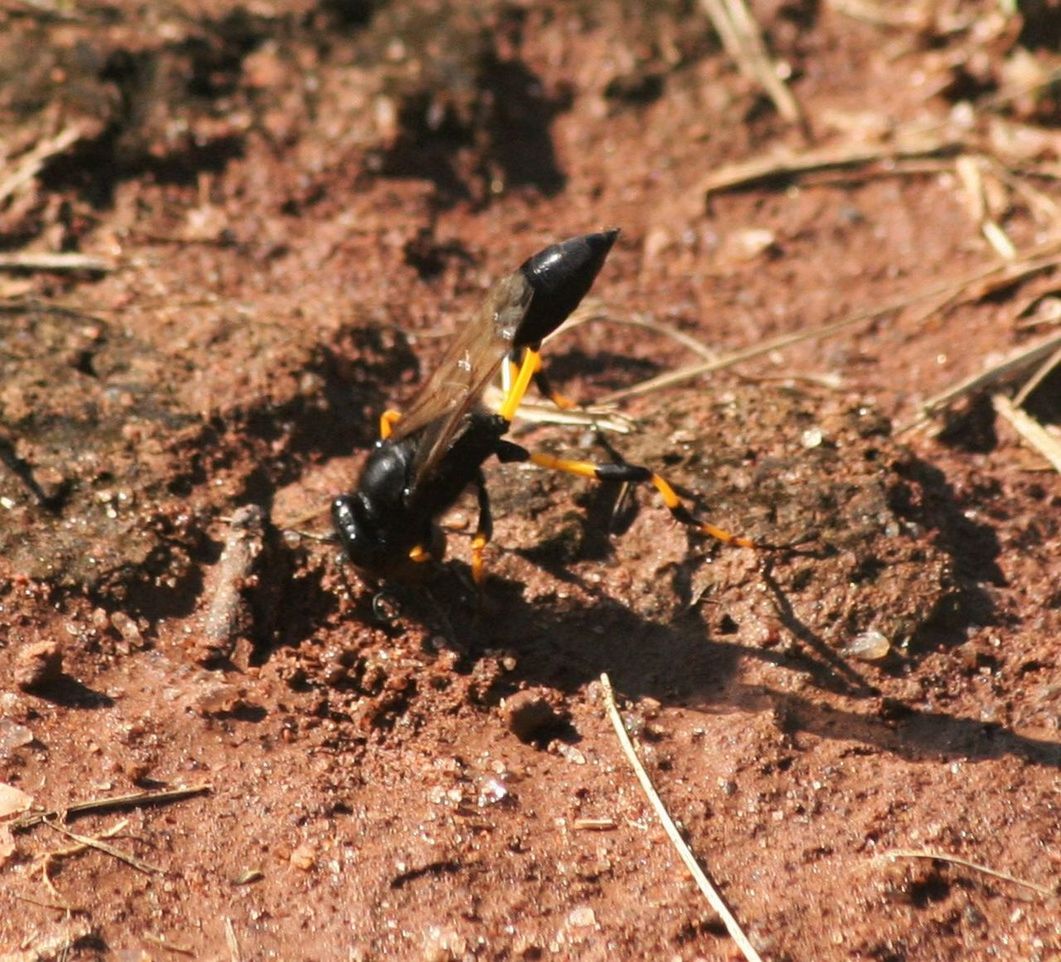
[[289, 207]]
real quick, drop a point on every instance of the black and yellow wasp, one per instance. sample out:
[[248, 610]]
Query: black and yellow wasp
[[427, 456]]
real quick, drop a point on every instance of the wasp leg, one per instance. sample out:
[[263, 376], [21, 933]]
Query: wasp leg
[[484, 530], [530, 365], [387, 420], [545, 388], [632, 473], [419, 554]]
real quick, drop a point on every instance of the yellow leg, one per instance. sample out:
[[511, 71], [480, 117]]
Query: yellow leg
[[636, 473], [562, 401], [387, 420], [546, 389], [529, 366], [478, 566], [675, 506], [510, 373], [584, 469], [419, 554]]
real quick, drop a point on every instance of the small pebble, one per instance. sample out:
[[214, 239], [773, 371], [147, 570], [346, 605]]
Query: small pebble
[[304, 857], [128, 629], [868, 646], [13, 736], [812, 438], [582, 917], [13, 800], [38, 664]]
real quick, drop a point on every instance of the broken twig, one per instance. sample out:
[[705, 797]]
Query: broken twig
[[1029, 429], [233, 943], [229, 616], [89, 841], [60, 262], [133, 800], [705, 885]]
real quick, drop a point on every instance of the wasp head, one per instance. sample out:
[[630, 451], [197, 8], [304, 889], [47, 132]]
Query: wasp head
[[377, 551]]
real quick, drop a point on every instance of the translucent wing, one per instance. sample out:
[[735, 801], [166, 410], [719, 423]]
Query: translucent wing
[[457, 384]]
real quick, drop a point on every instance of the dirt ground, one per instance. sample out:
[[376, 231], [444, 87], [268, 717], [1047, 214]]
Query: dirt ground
[[232, 233]]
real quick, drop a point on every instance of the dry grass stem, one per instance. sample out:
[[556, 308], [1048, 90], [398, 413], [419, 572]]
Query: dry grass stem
[[597, 417], [648, 324], [29, 165], [1041, 206], [48, 858], [1039, 310], [133, 800], [833, 157], [743, 40], [971, 174], [60, 262], [705, 885], [1022, 359], [1029, 429], [975, 866], [43, 11], [671, 378], [1042, 372], [994, 277], [1044, 257], [946, 294], [898, 168], [878, 14], [232, 941], [90, 841], [1043, 171], [998, 239], [594, 824], [58, 906], [163, 943]]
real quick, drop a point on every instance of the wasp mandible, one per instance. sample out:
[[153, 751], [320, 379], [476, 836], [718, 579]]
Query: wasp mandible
[[427, 456]]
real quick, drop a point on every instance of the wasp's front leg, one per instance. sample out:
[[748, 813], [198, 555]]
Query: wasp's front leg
[[387, 420]]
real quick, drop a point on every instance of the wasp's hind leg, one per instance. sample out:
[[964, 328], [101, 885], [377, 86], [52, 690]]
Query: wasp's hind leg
[[544, 386], [546, 389], [530, 365], [630, 473]]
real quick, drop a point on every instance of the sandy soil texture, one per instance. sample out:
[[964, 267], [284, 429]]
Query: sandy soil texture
[[231, 234]]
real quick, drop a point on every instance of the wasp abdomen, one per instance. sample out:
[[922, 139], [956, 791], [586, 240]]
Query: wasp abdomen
[[560, 276]]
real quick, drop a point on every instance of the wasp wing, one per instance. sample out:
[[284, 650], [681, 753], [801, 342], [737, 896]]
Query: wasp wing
[[440, 408]]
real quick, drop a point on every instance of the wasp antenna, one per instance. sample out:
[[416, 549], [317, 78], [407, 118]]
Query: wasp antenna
[[560, 276]]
